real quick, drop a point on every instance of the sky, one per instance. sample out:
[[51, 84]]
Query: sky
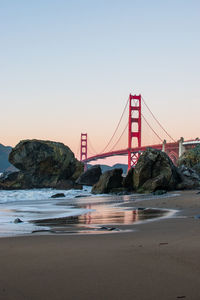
[[68, 67]]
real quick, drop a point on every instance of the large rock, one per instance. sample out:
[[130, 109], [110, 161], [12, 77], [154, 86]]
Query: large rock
[[190, 158], [91, 176], [128, 180], [42, 164], [190, 179], [196, 168], [108, 182], [155, 171]]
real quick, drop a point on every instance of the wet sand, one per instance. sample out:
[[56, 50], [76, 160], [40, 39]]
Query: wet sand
[[158, 260]]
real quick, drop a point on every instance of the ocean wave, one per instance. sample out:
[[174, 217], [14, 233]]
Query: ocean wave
[[40, 194]]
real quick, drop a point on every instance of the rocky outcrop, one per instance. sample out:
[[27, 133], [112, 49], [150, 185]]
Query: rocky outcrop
[[196, 168], [155, 171], [91, 176], [189, 169], [58, 195], [128, 180], [108, 182], [190, 158], [42, 164], [189, 178]]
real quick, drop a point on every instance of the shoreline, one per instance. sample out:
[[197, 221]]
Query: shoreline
[[158, 260], [38, 213]]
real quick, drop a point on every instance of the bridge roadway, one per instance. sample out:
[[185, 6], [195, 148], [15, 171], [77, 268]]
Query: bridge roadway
[[169, 148]]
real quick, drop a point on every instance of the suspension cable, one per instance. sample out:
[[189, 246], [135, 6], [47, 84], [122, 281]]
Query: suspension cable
[[151, 128], [91, 146], [78, 150], [119, 137], [158, 121], [116, 127]]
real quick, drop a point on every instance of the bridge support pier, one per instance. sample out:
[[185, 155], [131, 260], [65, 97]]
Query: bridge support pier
[[181, 147], [164, 146]]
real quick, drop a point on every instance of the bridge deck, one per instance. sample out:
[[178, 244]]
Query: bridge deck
[[168, 147]]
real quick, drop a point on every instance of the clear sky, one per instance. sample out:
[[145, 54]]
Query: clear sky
[[68, 67]]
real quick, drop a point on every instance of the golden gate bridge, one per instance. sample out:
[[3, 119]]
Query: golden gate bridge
[[136, 119]]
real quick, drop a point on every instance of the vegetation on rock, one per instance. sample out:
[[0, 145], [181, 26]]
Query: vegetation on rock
[[190, 158]]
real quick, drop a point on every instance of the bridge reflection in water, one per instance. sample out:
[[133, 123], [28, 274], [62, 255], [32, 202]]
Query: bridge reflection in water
[[115, 215], [99, 213]]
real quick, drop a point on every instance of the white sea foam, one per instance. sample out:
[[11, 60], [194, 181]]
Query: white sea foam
[[36, 204], [39, 194]]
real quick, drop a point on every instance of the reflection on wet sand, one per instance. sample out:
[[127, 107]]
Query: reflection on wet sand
[[112, 215], [102, 214]]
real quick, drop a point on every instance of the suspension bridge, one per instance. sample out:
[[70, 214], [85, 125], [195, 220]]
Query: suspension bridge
[[137, 120]]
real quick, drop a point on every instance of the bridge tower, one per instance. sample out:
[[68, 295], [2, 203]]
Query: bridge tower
[[134, 129], [83, 152]]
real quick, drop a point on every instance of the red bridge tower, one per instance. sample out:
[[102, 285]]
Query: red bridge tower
[[134, 129], [83, 154]]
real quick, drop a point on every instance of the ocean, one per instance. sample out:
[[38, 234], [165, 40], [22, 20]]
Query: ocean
[[77, 212]]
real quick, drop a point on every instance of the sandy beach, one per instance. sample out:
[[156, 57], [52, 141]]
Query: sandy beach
[[158, 260]]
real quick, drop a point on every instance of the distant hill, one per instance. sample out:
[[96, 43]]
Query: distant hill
[[105, 168], [4, 153]]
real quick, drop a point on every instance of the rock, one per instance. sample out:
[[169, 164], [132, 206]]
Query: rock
[[108, 181], [128, 180], [82, 196], [196, 168], [159, 192], [6, 174], [155, 171], [67, 184], [91, 176], [121, 191], [189, 178], [43, 157], [190, 158], [189, 172], [42, 164], [58, 195], [15, 180], [18, 220], [109, 228]]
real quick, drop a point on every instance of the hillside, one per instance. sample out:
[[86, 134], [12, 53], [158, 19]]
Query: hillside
[[4, 153]]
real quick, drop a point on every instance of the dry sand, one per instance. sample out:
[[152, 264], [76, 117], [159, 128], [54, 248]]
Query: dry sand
[[158, 261]]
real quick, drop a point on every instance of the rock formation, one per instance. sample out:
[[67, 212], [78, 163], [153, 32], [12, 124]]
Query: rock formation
[[189, 169], [128, 180], [155, 171], [190, 158], [42, 164], [196, 168], [91, 176], [108, 182], [190, 179]]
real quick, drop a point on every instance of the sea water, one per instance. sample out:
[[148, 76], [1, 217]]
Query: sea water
[[35, 204], [77, 210]]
